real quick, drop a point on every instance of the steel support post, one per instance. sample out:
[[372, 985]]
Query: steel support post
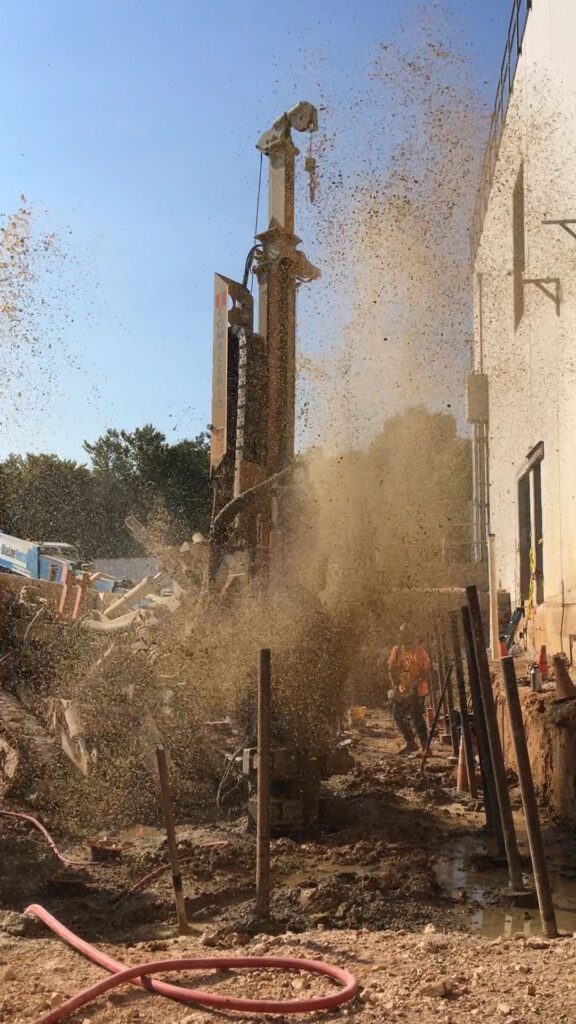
[[491, 808], [464, 719], [535, 841], [497, 757], [449, 697], [263, 784]]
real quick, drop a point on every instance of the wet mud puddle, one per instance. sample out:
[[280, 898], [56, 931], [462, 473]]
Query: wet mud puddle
[[468, 875], [314, 871]]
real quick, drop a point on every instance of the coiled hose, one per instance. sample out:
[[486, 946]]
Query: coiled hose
[[140, 975]]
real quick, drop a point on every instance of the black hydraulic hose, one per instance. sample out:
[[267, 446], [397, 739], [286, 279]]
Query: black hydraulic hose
[[249, 262], [233, 508], [236, 505]]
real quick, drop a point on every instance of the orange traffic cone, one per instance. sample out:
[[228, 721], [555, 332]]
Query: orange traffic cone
[[462, 782], [564, 685]]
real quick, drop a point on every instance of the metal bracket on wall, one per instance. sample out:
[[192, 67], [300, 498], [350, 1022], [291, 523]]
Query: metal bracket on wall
[[564, 223], [541, 283]]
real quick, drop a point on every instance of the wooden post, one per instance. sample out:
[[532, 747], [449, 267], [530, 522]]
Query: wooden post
[[535, 841], [263, 790], [464, 719], [497, 757], [183, 926]]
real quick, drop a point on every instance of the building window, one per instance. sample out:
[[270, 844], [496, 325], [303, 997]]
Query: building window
[[530, 528], [518, 246], [524, 535]]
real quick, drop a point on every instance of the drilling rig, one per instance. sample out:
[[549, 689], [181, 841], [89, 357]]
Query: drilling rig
[[254, 371], [252, 442]]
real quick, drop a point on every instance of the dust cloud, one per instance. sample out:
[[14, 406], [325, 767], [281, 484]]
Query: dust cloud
[[384, 489], [382, 396], [393, 243], [381, 505]]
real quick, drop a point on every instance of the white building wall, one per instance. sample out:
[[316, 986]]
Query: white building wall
[[532, 369]]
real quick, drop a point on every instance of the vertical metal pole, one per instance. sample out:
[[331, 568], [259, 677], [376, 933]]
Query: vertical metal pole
[[476, 490], [434, 695], [449, 699], [433, 726], [442, 677], [436, 672], [171, 837], [263, 784], [488, 785], [486, 449], [433, 678], [277, 300], [526, 781], [493, 582], [240, 410], [497, 757], [464, 719]]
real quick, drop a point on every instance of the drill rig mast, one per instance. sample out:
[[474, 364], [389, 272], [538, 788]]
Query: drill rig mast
[[254, 374]]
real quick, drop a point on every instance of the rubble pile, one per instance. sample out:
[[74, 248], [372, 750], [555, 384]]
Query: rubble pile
[[161, 664], [34, 648]]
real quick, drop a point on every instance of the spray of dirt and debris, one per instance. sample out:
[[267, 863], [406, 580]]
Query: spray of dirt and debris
[[42, 323], [378, 523], [379, 513], [386, 480], [381, 398]]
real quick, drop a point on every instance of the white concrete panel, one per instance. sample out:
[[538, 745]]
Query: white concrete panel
[[532, 369]]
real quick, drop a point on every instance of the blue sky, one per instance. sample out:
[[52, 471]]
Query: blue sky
[[130, 126]]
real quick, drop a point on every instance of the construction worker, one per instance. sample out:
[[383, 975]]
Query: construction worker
[[409, 669]]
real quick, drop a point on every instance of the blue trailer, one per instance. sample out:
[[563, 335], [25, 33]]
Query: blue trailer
[[45, 560]]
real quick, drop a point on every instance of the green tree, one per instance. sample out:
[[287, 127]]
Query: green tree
[[43, 497], [46, 498], [138, 472]]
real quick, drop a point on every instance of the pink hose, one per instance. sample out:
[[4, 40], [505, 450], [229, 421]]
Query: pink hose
[[84, 863], [37, 825], [139, 975]]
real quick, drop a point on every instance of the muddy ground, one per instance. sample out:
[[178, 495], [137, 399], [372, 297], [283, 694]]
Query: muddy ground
[[399, 884]]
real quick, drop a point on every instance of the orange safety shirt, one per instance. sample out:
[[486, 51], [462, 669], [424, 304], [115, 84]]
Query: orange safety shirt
[[413, 668]]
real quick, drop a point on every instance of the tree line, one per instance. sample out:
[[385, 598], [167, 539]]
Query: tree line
[[44, 497], [404, 499]]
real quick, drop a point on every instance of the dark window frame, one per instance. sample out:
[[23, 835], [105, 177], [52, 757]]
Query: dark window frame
[[524, 534], [531, 533]]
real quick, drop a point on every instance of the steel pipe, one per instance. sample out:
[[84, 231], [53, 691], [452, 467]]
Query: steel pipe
[[496, 755], [535, 841], [263, 784]]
